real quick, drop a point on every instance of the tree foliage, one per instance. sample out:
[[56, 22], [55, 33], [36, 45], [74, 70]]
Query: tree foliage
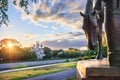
[[4, 8], [5, 42], [69, 53], [11, 50], [48, 52], [55, 52]]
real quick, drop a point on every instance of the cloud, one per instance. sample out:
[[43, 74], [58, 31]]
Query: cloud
[[68, 35], [29, 36], [41, 25], [65, 43], [66, 40], [9, 25], [54, 27], [75, 33], [64, 12]]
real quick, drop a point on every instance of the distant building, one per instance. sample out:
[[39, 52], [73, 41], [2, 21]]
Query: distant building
[[60, 53], [37, 48]]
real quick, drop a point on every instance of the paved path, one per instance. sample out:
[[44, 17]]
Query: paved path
[[42, 66], [56, 76], [6, 66]]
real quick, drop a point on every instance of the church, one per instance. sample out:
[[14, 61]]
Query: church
[[38, 49]]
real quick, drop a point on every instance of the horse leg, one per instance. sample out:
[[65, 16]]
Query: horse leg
[[117, 4], [99, 54]]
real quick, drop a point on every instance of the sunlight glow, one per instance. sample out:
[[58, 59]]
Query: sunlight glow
[[83, 48], [10, 45]]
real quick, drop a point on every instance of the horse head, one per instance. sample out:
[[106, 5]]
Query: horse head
[[90, 27]]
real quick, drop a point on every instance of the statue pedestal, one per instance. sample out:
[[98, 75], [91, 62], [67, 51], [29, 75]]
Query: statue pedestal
[[97, 70], [114, 58]]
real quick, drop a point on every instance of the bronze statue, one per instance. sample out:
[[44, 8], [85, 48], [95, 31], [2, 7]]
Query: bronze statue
[[112, 25], [92, 25]]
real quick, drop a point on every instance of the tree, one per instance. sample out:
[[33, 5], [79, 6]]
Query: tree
[[9, 43], [4, 8], [48, 52], [11, 50], [56, 52]]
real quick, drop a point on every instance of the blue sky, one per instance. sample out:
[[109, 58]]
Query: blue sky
[[55, 23]]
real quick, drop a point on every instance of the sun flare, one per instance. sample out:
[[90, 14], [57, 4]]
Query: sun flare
[[10, 45]]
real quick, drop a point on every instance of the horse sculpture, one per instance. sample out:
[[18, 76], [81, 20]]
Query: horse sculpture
[[112, 27], [92, 26]]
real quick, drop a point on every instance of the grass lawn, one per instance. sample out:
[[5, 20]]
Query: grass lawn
[[19, 75], [72, 78], [19, 66]]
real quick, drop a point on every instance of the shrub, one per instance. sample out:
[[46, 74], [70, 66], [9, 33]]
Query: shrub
[[67, 60], [104, 51], [80, 58], [93, 56], [86, 57]]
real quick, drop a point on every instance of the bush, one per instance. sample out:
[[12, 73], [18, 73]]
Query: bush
[[80, 58], [93, 56], [71, 54], [104, 51], [86, 57], [67, 60], [90, 53]]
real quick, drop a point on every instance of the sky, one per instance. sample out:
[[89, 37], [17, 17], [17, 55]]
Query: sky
[[54, 23]]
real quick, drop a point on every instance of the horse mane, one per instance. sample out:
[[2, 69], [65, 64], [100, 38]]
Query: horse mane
[[89, 6]]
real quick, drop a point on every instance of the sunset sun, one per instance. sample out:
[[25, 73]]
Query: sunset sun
[[10, 45]]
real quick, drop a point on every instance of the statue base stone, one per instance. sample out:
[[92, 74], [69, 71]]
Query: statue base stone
[[97, 70], [114, 59]]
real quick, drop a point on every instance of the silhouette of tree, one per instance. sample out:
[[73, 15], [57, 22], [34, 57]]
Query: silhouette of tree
[[9, 43], [11, 50]]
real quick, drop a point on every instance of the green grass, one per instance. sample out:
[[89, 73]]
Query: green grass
[[72, 78], [86, 57], [19, 66], [20, 75], [67, 60]]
